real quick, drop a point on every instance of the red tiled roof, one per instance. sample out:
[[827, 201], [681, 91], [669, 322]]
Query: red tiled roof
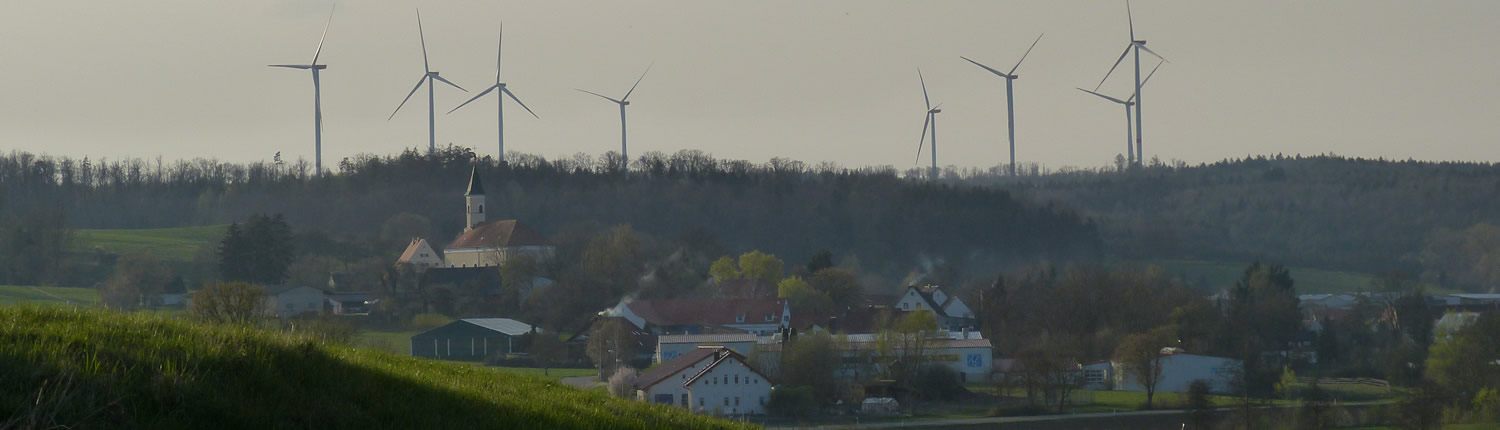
[[499, 234], [666, 370], [707, 311]]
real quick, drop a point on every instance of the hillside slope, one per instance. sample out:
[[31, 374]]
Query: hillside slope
[[92, 369]]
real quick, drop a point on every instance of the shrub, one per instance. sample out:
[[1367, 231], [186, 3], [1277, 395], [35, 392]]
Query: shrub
[[939, 382], [795, 402], [622, 384], [227, 302], [1199, 406]]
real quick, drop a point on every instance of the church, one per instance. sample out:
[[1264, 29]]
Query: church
[[483, 243]]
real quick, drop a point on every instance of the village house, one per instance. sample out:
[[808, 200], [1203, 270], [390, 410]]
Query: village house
[[951, 312], [709, 380], [1178, 370], [669, 347]]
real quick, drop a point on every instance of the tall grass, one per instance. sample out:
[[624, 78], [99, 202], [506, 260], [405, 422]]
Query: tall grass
[[141, 371]]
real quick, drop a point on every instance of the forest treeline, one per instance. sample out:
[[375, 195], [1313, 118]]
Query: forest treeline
[[887, 223], [1435, 219]]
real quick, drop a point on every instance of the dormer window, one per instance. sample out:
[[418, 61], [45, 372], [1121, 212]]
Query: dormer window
[[739, 318], [770, 317]]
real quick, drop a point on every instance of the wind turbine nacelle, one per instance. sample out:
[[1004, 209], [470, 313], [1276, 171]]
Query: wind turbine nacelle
[[624, 103], [1140, 42], [936, 111], [320, 66]]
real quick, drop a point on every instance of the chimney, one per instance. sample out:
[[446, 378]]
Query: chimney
[[965, 333]]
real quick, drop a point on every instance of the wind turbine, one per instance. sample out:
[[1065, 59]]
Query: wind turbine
[[1138, 46], [1010, 100], [427, 77], [499, 99], [623, 101], [930, 121], [1128, 103], [317, 95]]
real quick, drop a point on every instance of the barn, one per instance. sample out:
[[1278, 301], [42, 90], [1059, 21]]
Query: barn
[[469, 339]]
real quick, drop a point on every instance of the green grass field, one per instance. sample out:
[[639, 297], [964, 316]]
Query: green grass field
[[15, 294], [1309, 281], [166, 244], [83, 368], [392, 342]]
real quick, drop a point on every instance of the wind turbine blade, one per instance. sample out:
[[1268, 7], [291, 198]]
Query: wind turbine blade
[[923, 140], [1148, 50], [601, 95], [440, 78], [518, 101], [1028, 52], [926, 100], [1131, 19], [637, 82], [1104, 96], [325, 35], [408, 96], [1148, 77], [486, 91], [1112, 68], [976, 63], [290, 66], [500, 50], [423, 37]]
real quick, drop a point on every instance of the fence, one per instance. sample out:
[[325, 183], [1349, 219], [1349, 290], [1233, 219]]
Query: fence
[[1347, 381]]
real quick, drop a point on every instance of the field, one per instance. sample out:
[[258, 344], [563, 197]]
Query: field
[[392, 342], [14, 295], [166, 244], [80, 368]]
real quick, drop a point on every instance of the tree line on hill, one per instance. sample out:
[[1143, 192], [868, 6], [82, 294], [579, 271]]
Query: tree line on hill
[[888, 223], [1366, 215]]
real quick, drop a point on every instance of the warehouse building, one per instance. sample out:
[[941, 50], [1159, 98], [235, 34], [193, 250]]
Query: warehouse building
[[469, 339]]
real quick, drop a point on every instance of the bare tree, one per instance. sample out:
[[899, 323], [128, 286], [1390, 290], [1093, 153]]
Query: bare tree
[[1141, 357], [228, 302]]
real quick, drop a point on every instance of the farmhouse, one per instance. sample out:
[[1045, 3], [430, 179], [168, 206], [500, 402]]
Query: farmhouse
[[713, 380], [669, 347], [469, 339]]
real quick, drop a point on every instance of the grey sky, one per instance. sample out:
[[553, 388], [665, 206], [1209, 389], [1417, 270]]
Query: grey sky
[[810, 80]]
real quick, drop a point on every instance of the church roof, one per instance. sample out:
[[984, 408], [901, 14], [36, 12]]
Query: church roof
[[499, 234], [476, 188]]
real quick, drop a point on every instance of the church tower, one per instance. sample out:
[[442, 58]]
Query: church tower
[[474, 200]]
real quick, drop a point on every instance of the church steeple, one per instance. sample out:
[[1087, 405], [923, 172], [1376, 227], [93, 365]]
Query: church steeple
[[474, 200]]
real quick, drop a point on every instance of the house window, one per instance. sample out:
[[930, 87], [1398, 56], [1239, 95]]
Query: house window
[[1094, 376], [736, 379], [481, 208], [736, 400], [739, 318], [684, 400], [700, 401], [726, 401], [906, 306]]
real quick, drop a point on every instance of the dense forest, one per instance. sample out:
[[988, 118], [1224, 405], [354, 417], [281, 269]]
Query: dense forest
[[1368, 215], [883, 222]]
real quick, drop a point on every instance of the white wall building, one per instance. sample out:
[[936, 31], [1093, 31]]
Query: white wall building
[[1178, 371], [286, 302], [707, 380]]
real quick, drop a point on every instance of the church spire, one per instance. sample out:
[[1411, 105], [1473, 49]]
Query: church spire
[[474, 200], [476, 188]]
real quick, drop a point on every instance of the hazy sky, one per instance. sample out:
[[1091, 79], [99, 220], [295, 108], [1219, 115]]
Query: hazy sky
[[809, 80]]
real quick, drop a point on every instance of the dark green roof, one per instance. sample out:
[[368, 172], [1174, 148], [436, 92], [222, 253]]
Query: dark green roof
[[476, 188]]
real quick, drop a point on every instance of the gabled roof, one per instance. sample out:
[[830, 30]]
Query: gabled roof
[[503, 325], [276, 290], [415, 247], [728, 355], [666, 370], [476, 188], [498, 234]]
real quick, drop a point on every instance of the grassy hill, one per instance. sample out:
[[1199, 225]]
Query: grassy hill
[[1218, 274], [166, 244], [16, 294], [93, 368]]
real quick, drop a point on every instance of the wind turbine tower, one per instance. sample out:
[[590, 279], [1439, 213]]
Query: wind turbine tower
[[1128, 103], [623, 101], [317, 96], [499, 99], [1010, 99], [1137, 46], [428, 76], [931, 122]]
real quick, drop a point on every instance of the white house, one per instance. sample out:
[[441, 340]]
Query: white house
[[968, 353], [1178, 371], [707, 380], [951, 312], [420, 255]]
